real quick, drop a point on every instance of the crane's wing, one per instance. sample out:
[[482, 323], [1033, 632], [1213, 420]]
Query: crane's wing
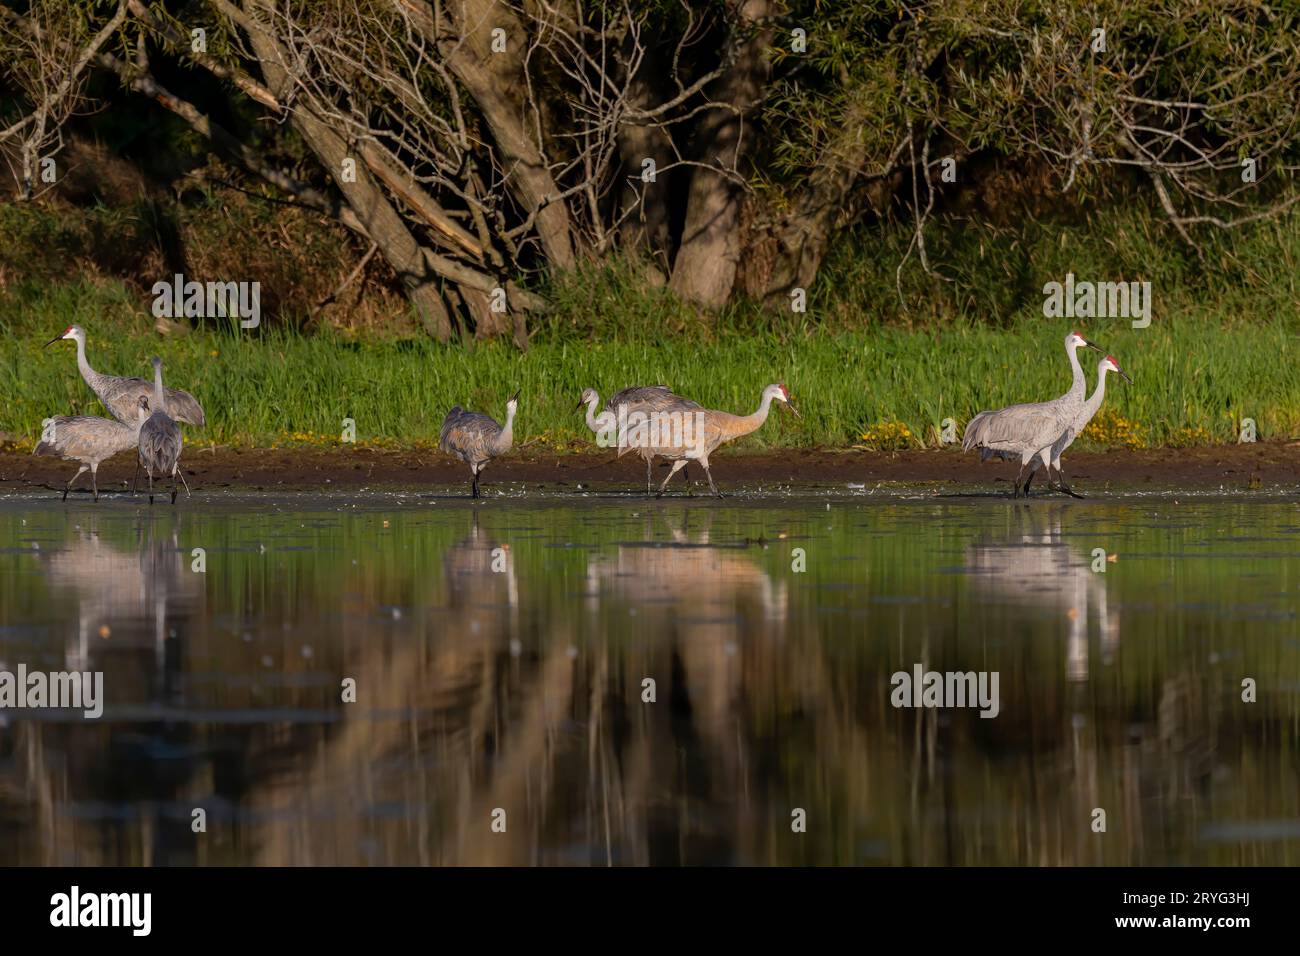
[[653, 401], [1015, 428], [121, 396], [468, 435], [648, 398], [85, 437]]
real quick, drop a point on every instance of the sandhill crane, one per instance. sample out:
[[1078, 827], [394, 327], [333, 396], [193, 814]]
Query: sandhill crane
[[160, 438], [120, 394], [1051, 457], [90, 440], [476, 438], [1035, 570], [1022, 431], [648, 400], [700, 432]]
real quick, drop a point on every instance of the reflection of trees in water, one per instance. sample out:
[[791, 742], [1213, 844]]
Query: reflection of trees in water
[[515, 706], [505, 691]]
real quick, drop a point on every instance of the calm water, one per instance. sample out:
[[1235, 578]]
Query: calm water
[[520, 688]]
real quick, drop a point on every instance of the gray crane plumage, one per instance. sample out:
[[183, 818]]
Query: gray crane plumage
[[476, 438], [121, 395], [90, 440], [1051, 457], [1024, 431], [160, 439], [650, 397], [646, 399], [708, 429]]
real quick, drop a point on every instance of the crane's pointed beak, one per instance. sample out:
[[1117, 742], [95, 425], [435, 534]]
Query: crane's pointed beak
[[1124, 376], [579, 405], [793, 411], [57, 338], [1095, 347], [515, 397]]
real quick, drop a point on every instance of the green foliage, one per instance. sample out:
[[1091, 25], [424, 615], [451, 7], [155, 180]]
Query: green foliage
[[1020, 79]]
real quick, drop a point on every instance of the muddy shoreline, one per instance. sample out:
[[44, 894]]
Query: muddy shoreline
[[1244, 467]]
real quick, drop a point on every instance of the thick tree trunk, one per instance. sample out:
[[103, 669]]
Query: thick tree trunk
[[381, 221], [495, 79], [705, 268]]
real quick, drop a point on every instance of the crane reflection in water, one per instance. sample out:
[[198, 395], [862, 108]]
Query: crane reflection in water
[[620, 686]]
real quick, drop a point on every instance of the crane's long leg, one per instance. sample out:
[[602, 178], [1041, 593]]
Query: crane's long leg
[[1029, 480], [649, 461], [173, 484], [80, 471], [686, 477], [678, 465], [1020, 474], [94, 481], [473, 486], [149, 472], [1053, 485], [184, 482], [1063, 486], [708, 474]]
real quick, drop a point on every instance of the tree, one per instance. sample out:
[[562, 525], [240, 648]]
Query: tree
[[478, 144]]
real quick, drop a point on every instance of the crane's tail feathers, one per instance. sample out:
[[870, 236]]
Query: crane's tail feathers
[[184, 407], [974, 433]]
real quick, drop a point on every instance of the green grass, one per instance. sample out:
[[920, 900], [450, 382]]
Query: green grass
[[266, 389], [1221, 347]]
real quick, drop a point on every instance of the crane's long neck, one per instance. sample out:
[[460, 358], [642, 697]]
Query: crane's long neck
[[83, 366], [744, 424], [595, 422], [507, 436], [1098, 395], [159, 398], [1078, 384]]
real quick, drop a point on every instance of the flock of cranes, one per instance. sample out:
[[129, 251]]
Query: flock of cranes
[[145, 417], [651, 420], [1039, 432]]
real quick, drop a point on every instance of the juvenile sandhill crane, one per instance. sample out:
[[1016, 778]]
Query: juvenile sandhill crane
[[476, 438], [648, 400], [160, 438], [120, 395], [90, 440], [1022, 431], [709, 428], [1051, 457]]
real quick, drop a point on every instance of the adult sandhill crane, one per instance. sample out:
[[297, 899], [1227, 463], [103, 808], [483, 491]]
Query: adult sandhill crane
[[90, 440], [476, 438], [1022, 431], [160, 438], [120, 395], [1051, 457], [1034, 571], [647, 400], [703, 431]]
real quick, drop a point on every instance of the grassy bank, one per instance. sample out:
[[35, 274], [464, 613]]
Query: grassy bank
[[884, 387], [865, 366]]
